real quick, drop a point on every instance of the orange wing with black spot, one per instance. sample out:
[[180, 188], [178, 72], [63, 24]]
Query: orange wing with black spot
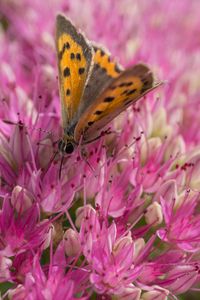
[[75, 57], [124, 90], [103, 59], [104, 70]]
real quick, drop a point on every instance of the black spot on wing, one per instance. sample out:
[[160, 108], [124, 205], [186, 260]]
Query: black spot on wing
[[109, 99], [125, 84], [122, 84], [129, 83], [90, 123], [68, 92], [78, 56], [81, 71], [146, 86], [124, 92], [98, 112], [60, 55], [65, 46], [147, 81], [130, 92], [72, 55], [96, 67], [66, 72]]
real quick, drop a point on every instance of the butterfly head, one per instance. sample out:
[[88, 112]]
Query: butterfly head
[[66, 146]]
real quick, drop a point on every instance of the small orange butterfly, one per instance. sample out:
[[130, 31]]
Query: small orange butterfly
[[93, 88]]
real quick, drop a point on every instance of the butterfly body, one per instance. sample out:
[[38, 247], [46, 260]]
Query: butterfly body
[[94, 89]]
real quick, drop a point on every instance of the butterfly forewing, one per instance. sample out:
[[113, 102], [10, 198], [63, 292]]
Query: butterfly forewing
[[126, 89], [103, 59], [75, 57]]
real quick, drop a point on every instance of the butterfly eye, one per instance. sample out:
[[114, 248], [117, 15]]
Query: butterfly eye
[[69, 148], [65, 147]]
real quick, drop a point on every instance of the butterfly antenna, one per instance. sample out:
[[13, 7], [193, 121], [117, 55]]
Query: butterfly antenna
[[20, 123]]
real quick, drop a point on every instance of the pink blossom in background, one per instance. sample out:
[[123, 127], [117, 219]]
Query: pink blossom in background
[[125, 225]]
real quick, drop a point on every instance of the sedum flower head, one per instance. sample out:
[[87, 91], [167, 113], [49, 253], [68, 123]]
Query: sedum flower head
[[122, 221]]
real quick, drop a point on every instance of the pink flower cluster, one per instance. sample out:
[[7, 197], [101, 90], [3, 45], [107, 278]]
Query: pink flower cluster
[[125, 224]]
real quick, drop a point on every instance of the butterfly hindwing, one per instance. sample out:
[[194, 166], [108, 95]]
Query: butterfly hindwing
[[126, 89], [104, 70], [75, 57]]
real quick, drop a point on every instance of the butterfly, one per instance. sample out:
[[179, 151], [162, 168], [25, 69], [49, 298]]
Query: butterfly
[[94, 89]]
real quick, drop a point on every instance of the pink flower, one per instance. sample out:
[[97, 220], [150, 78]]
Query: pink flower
[[21, 231], [111, 259], [123, 220], [40, 286], [182, 226]]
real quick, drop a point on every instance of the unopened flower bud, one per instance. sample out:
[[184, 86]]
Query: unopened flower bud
[[139, 245], [154, 214], [176, 147], [160, 125], [5, 264], [158, 295], [50, 234], [121, 243], [167, 191], [17, 293], [130, 293], [71, 242], [81, 212], [21, 199], [149, 147], [183, 197]]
